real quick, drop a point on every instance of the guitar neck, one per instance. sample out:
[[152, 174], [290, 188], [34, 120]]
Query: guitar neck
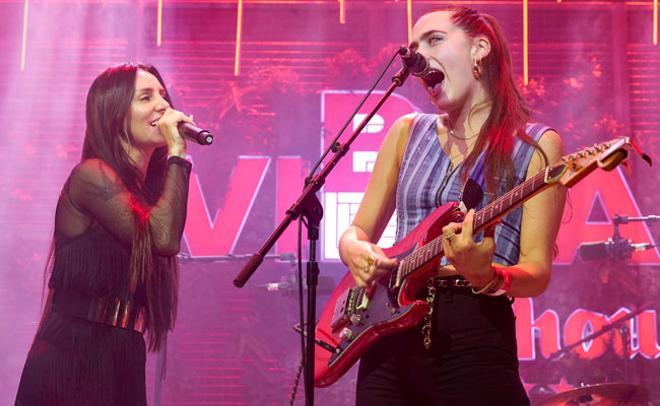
[[483, 218], [510, 200]]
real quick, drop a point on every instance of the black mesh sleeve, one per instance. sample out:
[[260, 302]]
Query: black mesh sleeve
[[97, 191]]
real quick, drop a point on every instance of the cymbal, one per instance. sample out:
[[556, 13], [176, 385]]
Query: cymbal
[[602, 394]]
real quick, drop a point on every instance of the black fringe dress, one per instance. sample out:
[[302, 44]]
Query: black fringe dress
[[89, 348]]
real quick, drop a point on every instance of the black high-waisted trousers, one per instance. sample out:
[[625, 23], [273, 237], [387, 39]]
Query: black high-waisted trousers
[[472, 360]]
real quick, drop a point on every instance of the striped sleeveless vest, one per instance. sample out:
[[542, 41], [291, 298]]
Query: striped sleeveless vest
[[427, 181]]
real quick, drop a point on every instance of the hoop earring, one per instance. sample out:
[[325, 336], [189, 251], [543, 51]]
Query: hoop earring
[[476, 70]]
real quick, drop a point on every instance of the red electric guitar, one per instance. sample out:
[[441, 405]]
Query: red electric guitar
[[352, 321]]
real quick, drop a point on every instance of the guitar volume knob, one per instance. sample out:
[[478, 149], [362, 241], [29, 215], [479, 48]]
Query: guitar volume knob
[[356, 319], [346, 334]]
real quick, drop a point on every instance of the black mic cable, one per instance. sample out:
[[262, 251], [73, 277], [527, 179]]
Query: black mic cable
[[335, 142]]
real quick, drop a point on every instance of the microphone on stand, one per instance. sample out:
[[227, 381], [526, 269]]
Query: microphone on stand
[[626, 219], [415, 62], [195, 134], [326, 285], [593, 251]]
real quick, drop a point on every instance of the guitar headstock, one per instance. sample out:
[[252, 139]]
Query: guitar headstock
[[573, 167]]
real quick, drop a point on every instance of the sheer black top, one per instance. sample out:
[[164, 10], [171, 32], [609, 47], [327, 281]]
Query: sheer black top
[[95, 224]]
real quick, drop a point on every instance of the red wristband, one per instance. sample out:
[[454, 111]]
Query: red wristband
[[505, 275]]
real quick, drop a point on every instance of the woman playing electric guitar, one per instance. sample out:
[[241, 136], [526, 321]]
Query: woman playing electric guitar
[[464, 352]]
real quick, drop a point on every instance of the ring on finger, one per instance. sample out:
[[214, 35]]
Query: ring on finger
[[370, 264]]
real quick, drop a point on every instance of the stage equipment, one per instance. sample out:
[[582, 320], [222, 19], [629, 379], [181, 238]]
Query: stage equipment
[[582, 398], [616, 248], [603, 394], [185, 258]]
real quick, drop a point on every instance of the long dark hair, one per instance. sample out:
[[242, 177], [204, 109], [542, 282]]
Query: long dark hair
[[108, 117], [509, 112]]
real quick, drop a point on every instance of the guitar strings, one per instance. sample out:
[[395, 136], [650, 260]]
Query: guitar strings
[[437, 242]]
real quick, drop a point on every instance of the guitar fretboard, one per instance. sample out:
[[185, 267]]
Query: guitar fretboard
[[482, 218]]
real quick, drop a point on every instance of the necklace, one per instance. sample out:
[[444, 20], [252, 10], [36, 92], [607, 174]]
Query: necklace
[[451, 132], [447, 124]]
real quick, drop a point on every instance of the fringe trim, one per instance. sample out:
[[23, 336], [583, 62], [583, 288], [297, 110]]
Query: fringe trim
[[76, 362]]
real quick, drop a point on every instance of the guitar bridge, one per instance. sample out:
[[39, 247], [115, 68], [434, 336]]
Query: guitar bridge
[[352, 302]]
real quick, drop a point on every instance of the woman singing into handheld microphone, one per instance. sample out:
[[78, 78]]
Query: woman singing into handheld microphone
[[113, 269]]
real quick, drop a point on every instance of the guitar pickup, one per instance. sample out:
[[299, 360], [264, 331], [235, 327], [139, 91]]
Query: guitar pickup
[[362, 300]]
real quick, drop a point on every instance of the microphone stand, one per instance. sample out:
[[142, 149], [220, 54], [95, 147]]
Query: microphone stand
[[618, 324], [309, 208], [627, 219], [621, 248], [185, 258], [608, 327]]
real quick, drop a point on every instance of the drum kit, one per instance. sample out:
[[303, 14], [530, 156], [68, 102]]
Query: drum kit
[[603, 394], [618, 250]]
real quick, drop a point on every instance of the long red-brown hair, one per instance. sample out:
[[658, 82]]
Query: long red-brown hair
[[509, 112]]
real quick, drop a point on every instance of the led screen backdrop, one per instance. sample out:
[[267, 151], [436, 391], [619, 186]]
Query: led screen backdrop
[[275, 81]]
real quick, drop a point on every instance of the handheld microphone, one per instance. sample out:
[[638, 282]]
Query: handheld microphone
[[415, 62], [195, 134]]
